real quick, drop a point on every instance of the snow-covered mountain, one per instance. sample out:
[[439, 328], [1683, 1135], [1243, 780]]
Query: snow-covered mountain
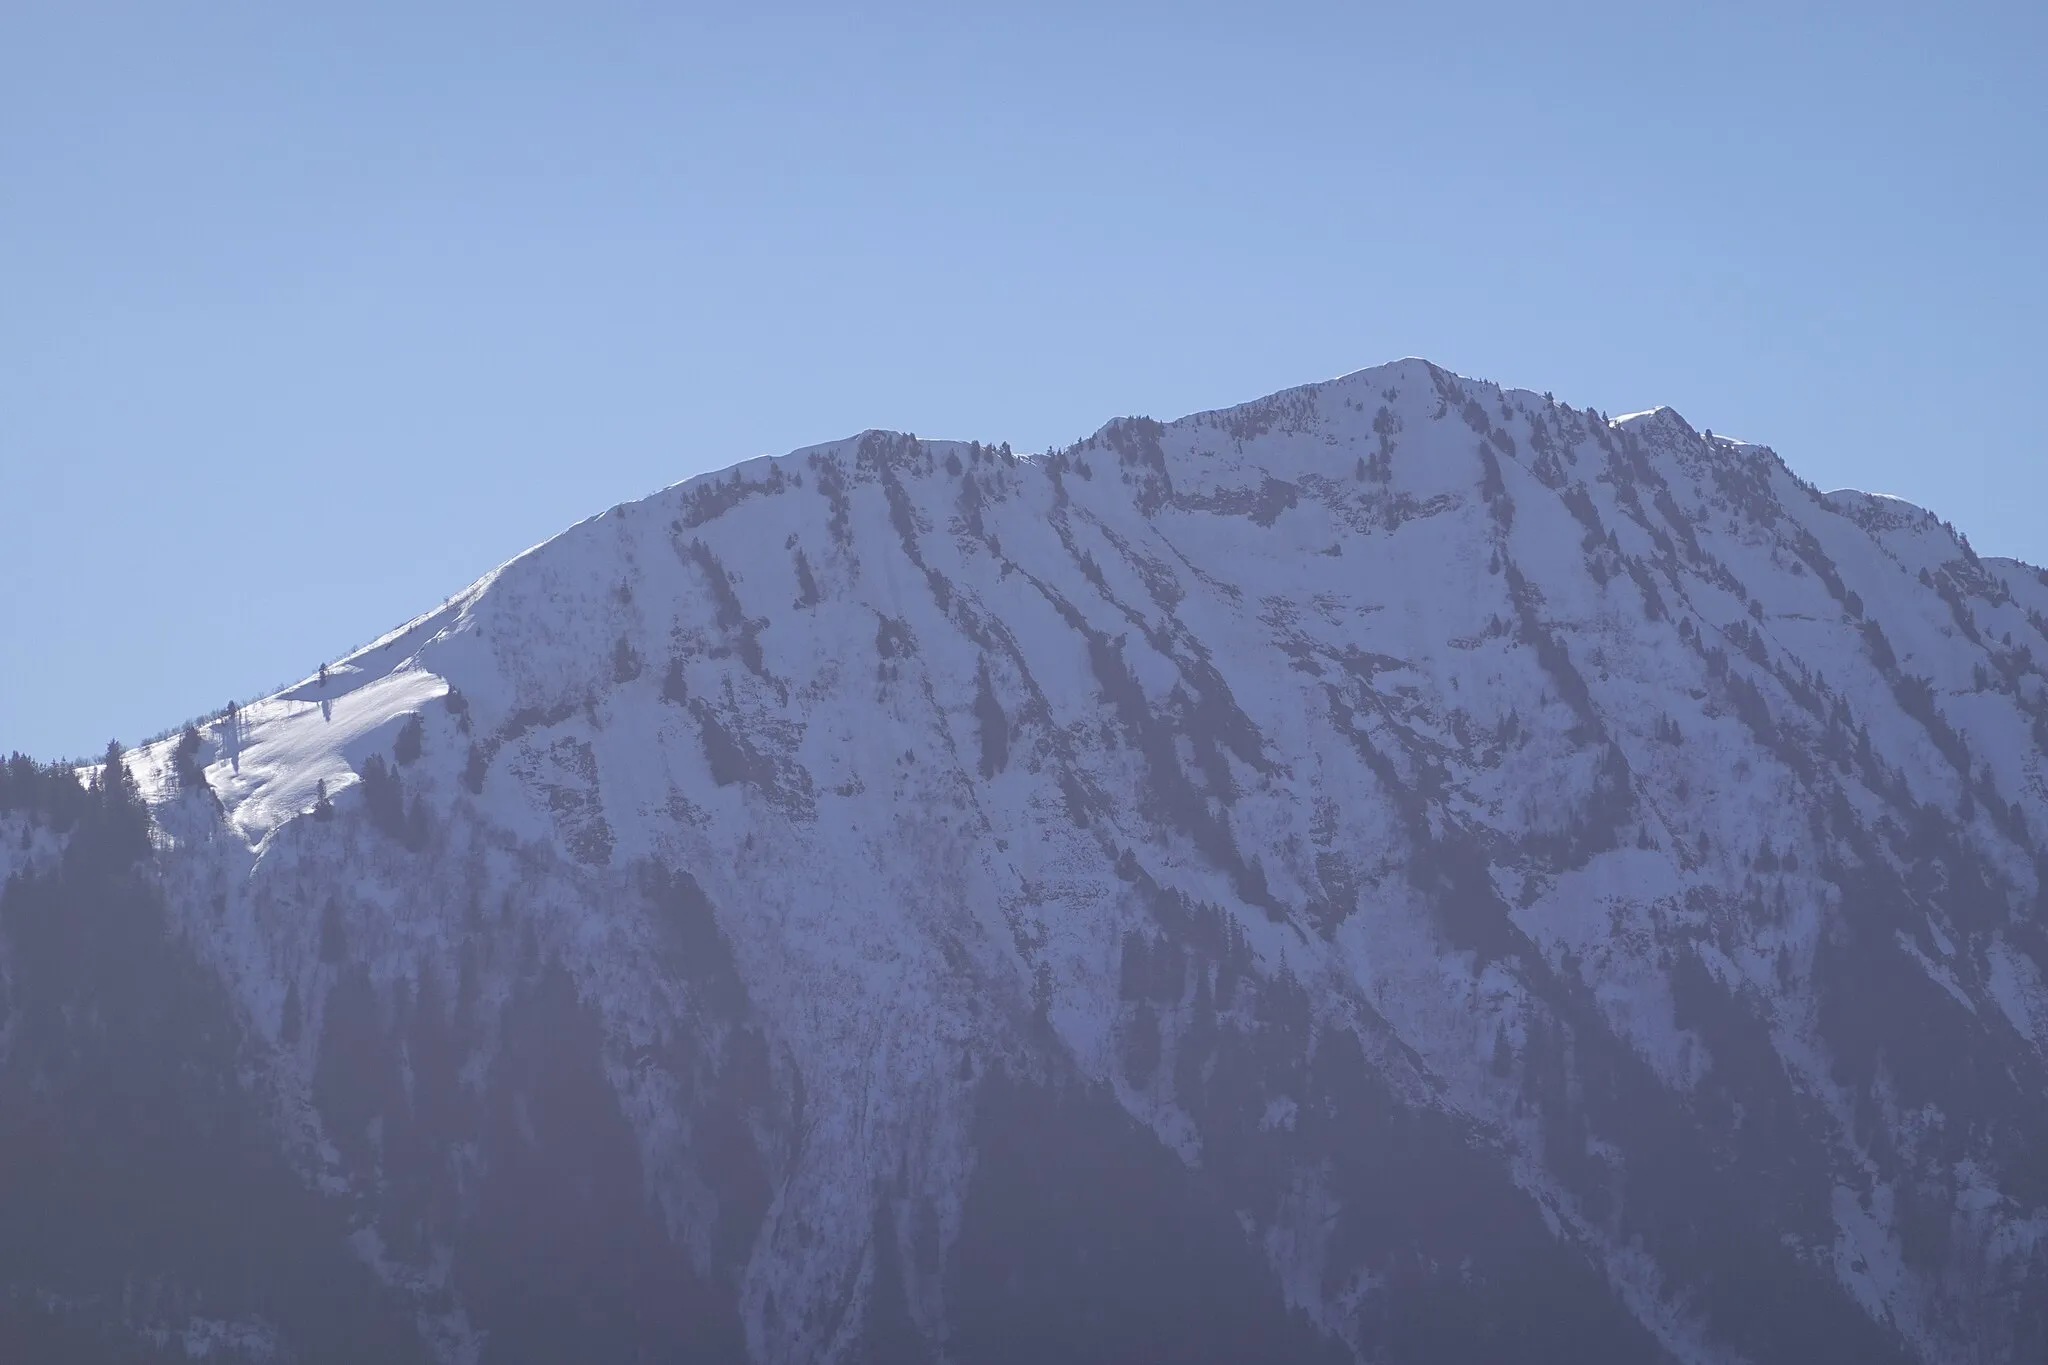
[[1401, 870]]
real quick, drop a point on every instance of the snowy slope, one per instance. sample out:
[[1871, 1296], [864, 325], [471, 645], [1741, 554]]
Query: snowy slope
[[1660, 832]]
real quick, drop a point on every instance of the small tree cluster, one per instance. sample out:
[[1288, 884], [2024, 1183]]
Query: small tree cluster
[[51, 791], [384, 802], [410, 742], [185, 764], [458, 707]]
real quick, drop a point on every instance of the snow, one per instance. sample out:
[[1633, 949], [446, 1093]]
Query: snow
[[275, 753], [893, 910], [2016, 985]]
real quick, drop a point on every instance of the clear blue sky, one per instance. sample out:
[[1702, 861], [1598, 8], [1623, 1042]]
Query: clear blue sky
[[311, 314]]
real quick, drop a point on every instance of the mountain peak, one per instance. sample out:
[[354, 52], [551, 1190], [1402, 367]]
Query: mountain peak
[[1391, 795], [1662, 415]]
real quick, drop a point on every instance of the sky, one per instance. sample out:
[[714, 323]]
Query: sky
[[310, 315]]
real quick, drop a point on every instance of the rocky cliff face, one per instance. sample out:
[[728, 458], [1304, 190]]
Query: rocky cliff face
[[1402, 870]]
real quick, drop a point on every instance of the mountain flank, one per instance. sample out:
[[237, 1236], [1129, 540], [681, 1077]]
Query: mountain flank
[[1403, 870]]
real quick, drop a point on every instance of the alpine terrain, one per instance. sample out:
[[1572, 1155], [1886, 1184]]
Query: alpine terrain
[[1400, 871]]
